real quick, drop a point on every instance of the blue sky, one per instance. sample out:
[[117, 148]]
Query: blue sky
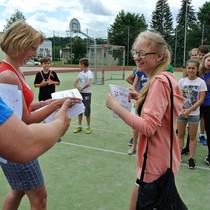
[[95, 16]]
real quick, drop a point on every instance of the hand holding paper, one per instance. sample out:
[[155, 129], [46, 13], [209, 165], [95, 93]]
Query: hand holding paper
[[75, 110], [74, 93], [122, 95]]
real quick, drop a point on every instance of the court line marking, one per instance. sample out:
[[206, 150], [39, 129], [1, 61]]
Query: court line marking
[[95, 148], [74, 121], [112, 151], [120, 153]]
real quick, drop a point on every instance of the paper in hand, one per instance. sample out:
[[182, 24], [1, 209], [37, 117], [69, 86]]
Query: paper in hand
[[13, 98], [122, 95], [72, 112]]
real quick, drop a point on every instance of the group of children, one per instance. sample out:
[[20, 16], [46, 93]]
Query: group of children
[[46, 80], [195, 87]]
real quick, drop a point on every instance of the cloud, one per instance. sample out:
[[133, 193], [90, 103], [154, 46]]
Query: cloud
[[39, 17], [95, 16], [95, 7]]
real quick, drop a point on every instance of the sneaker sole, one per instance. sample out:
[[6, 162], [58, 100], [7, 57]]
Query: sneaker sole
[[207, 162], [191, 167], [133, 153], [77, 131], [186, 153]]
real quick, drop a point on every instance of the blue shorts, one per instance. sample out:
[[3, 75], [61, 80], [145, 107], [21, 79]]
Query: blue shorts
[[26, 176], [191, 119]]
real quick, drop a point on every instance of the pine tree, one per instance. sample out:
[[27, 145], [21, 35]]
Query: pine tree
[[16, 16], [204, 21], [186, 20], [162, 20]]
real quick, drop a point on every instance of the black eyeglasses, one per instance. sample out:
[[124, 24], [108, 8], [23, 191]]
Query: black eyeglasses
[[141, 54]]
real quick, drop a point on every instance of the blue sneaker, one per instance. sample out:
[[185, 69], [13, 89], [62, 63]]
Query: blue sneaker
[[203, 140]]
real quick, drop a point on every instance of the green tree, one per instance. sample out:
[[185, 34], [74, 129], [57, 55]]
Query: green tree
[[16, 16], [162, 20], [186, 20], [204, 19], [78, 49], [194, 37], [56, 53], [125, 29]]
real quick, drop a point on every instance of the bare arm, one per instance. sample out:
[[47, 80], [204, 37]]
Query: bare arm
[[43, 83], [76, 83], [21, 143], [186, 112], [129, 79], [87, 84], [135, 82], [53, 82], [36, 116], [40, 115]]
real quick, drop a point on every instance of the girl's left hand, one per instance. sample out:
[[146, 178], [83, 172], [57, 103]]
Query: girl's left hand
[[185, 113]]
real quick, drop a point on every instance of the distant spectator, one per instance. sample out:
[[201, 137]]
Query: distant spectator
[[193, 54], [202, 50], [84, 84], [205, 106], [193, 89], [46, 80]]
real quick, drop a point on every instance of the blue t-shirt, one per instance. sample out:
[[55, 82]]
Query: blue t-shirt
[[206, 101], [5, 111], [142, 80]]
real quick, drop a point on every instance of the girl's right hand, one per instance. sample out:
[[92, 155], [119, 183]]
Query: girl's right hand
[[133, 94]]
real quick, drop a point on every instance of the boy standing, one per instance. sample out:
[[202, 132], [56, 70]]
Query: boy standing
[[46, 80], [85, 78]]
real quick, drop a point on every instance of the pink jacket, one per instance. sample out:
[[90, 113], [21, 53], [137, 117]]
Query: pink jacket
[[154, 126]]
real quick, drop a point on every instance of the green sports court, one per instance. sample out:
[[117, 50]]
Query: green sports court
[[94, 172]]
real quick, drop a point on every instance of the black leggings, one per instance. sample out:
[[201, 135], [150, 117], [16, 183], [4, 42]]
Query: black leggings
[[205, 111]]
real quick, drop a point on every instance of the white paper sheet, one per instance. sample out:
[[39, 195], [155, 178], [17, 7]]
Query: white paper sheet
[[123, 97], [72, 112], [67, 93], [13, 98]]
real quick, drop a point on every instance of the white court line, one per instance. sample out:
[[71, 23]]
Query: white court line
[[95, 148], [121, 153], [200, 167]]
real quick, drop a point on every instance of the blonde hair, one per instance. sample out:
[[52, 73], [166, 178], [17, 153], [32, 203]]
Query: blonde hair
[[157, 44], [191, 51], [18, 37], [202, 69]]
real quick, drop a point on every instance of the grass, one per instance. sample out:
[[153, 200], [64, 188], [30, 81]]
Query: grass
[[94, 172]]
